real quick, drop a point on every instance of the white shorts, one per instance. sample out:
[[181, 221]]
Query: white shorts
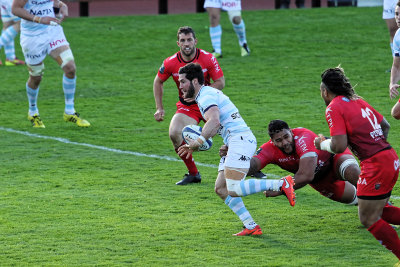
[[6, 14], [36, 48], [226, 5], [388, 9], [241, 149]]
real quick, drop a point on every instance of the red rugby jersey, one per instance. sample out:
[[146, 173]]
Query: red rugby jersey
[[207, 61], [360, 122], [304, 143]]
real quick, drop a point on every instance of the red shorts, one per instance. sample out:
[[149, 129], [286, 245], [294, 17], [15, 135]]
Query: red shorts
[[192, 111], [331, 184], [378, 176]]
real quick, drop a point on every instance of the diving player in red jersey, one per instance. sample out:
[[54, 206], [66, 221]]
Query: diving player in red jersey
[[293, 150], [353, 122], [187, 110]]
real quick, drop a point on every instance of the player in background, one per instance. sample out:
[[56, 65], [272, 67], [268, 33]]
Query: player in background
[[354, 123], [395, 71], [233, 8], [11, 28], [389, 16], [187, 112], [42, 34], [223, 117], [293, 150]]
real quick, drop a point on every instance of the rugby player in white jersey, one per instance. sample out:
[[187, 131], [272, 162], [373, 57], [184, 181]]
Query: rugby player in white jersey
[[11, 28], [223, 117], [233, 8], [388, 15], [42, 35]]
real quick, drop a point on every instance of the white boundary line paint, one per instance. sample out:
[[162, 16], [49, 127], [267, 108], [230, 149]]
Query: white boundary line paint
[[138, 154], [66, 141]]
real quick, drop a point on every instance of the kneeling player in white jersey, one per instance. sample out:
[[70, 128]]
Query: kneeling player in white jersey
[[223, 117], [233, 8], [42, 35], [11, 28]]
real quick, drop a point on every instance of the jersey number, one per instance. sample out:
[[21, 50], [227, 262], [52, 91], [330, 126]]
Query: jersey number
[[367, 113]]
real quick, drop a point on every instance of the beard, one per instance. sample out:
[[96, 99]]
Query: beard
[[190, 92], [188, 53]]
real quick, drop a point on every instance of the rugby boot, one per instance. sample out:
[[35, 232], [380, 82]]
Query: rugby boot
[[189, 179], [256, 231], [245, 50], [288, 190], [14, 62], [75, 118], [36, 121]]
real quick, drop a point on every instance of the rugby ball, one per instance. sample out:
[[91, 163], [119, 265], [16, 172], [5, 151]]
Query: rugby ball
[[192, 132]]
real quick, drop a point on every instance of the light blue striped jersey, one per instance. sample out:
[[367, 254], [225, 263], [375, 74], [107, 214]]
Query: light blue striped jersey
[[40, 8], [231, 123], [396, 44]]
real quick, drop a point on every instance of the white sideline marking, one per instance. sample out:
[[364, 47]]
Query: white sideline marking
[[138, 154], [66, 141]]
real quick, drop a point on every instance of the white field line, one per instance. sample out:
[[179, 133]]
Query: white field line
[[66, 141], [138, 154]]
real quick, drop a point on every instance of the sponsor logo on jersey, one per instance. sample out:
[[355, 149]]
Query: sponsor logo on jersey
[[41, 2], [345, 99], [377, 186], [229, 4], [258, 151], [235, 115], [287, 159], [215, 62], [302, 144], [362, 181], [162, 69], [42, 12], [244, 158], [329, 117], [57, 42], [396, 164]]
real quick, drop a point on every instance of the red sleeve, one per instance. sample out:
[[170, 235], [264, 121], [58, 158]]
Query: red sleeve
[[265, 154], [164, 71], [213, 67], [304, 141], [336, 122]]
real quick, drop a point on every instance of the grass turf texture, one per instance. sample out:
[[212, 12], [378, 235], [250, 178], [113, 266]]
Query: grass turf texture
[[69, 205]]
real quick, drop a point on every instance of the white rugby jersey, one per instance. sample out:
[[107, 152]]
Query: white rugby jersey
[[231, 123], [40, 8]]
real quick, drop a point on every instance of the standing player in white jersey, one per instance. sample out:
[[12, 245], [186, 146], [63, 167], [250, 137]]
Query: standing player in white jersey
[[11, 28], [223, 117], [233, 7], [395, 71], [388, 15], [42, 35]]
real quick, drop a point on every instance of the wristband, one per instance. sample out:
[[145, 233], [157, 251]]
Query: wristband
[[36, 19], [203, 140], [326, 145]]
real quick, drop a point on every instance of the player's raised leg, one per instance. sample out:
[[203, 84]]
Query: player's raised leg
[[215, 30], [236, 205], [63, 55], [240, 30], [178, 121]]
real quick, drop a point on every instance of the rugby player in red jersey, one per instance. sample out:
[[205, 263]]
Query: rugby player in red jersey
[[187, 112], [354, 123], [293, 150]]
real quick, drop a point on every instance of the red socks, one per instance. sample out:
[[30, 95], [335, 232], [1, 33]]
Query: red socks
[[391, 214], [386, 235], [191, 166]]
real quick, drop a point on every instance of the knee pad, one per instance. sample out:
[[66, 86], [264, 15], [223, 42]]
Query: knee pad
[[234, 13], [234, 186], [66, 56], [36, 70], [346, 164]]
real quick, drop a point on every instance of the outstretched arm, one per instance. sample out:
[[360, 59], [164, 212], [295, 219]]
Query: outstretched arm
[[158, 94]]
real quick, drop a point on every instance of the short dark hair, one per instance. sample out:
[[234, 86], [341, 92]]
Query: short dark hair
[[398, 3], [193, 70], [186, 30], [275, 126], [336, 81]]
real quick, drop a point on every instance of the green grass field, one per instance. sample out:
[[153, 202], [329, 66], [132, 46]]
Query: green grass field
[[97, 196]]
